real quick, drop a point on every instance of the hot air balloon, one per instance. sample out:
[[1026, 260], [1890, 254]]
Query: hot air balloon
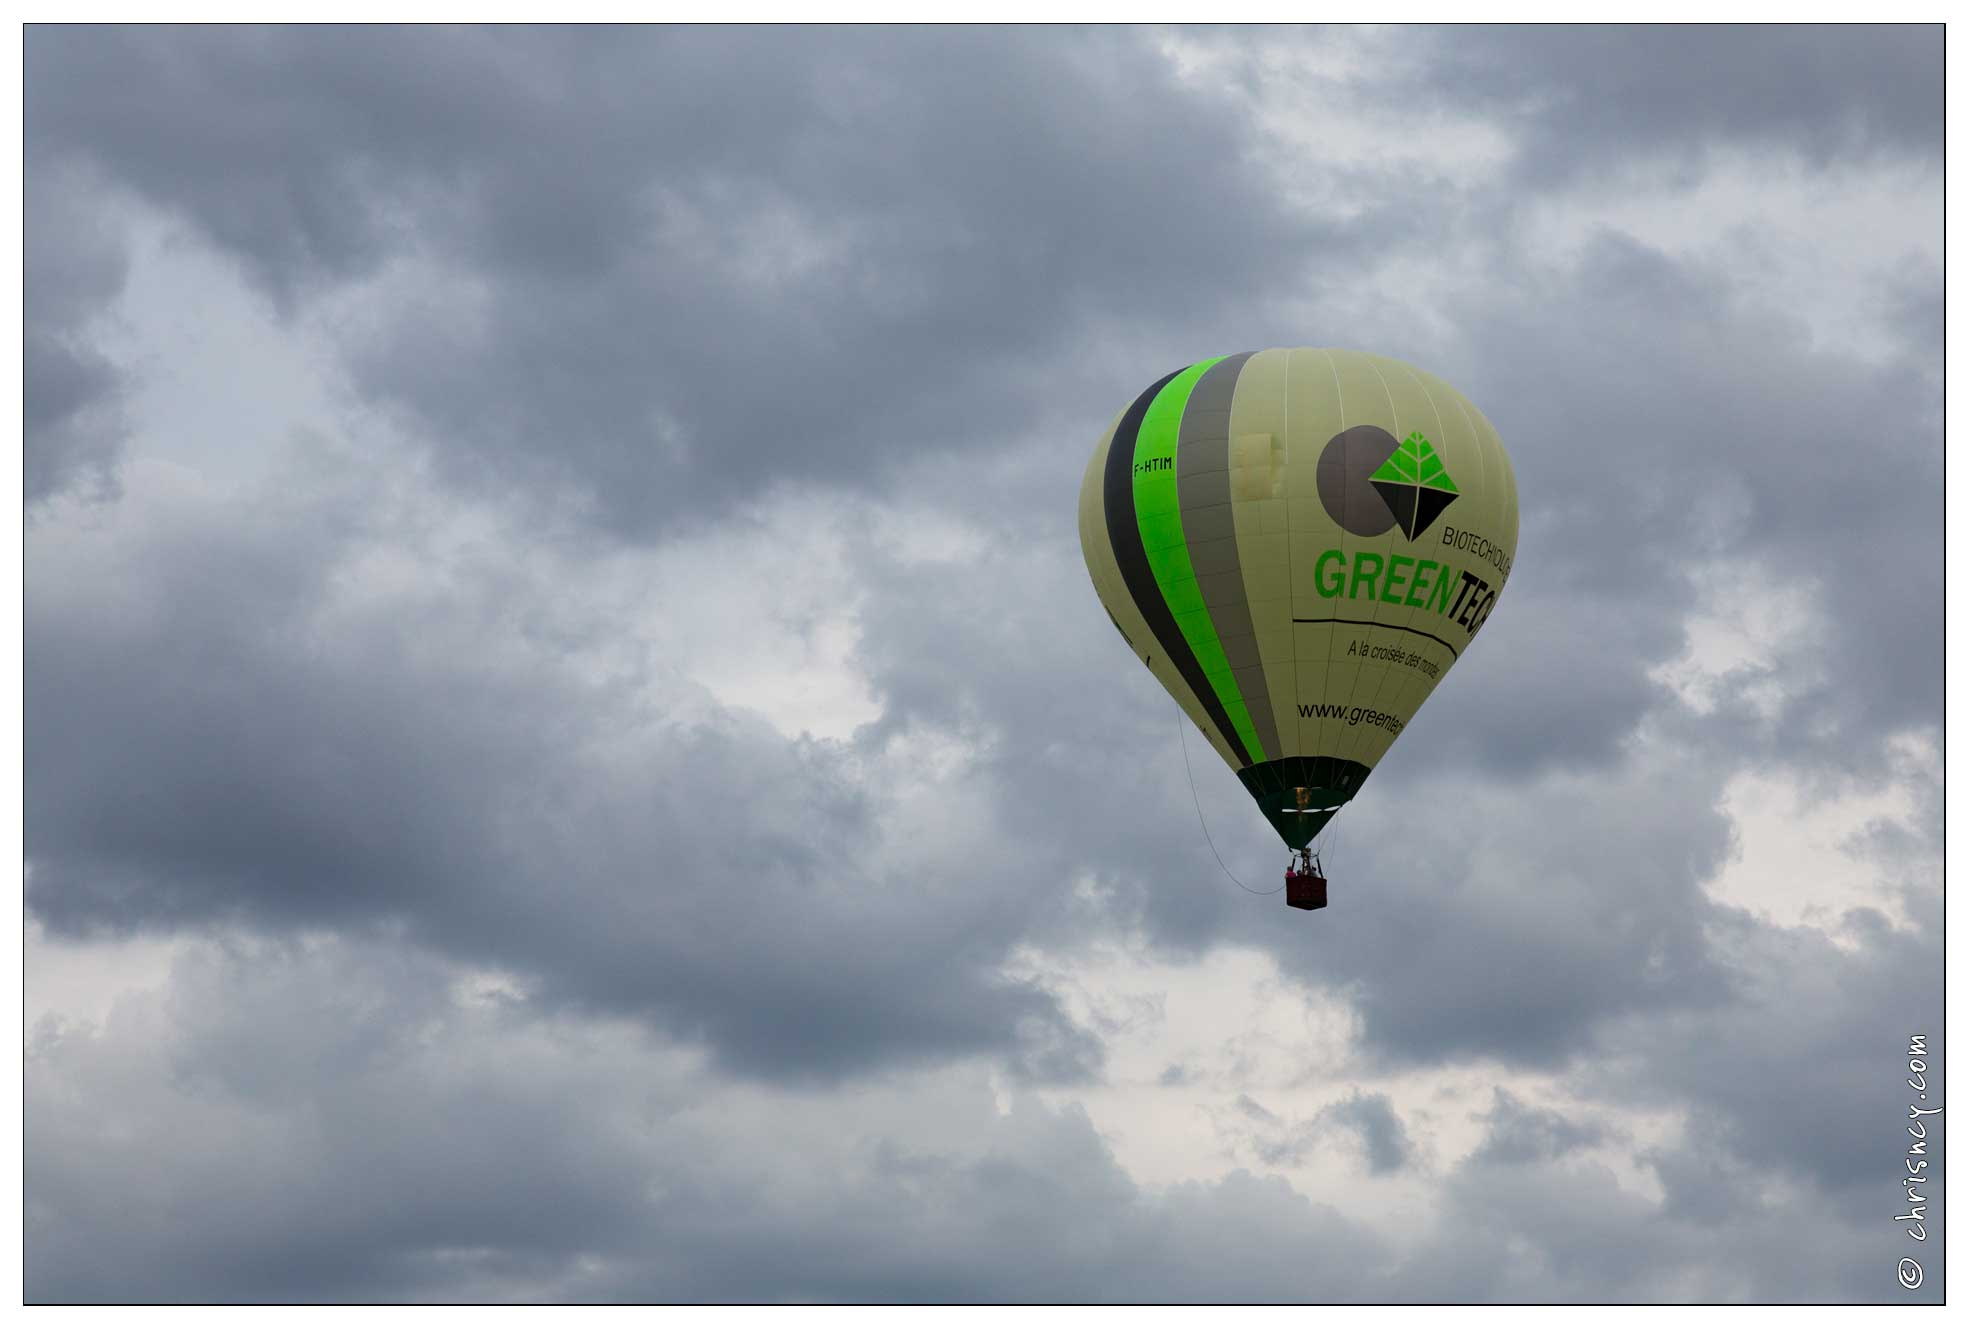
[[1299, 544]]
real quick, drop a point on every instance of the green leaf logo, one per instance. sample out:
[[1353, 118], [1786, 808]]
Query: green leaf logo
[[1414, 484]]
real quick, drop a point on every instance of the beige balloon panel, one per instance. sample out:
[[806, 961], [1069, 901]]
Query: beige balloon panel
[[1287, 406]]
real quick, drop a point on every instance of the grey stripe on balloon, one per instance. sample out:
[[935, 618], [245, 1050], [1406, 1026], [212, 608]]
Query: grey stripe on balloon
[[1203, 495]]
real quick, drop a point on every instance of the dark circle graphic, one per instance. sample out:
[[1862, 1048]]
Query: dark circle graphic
[[1349, 458]]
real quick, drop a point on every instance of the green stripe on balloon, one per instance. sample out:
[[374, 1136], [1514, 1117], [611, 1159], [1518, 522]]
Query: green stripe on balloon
[[1159, 517]]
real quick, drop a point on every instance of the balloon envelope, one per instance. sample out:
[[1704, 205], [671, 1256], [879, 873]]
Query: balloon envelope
[[1299, 544]]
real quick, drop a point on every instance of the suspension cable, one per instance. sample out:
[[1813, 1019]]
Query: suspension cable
[[1182, 723]]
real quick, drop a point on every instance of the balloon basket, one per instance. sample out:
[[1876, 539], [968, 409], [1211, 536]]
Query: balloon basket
[[1305, 890]]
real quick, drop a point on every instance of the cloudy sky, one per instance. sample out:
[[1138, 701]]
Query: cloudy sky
[[571, 754]]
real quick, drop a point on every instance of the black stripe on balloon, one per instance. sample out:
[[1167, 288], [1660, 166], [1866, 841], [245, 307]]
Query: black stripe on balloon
[[1125, 535]]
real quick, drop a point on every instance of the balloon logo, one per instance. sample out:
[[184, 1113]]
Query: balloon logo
[[1299, 545]]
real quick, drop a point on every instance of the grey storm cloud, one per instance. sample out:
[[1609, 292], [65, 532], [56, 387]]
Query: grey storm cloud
[[504, 1160], [326, 1122], [1770, 454], [788, 254], [1520, 1133], [622, 287], [1367, 1123], [1373, 1117], [211, 760], [74, 422], [1785, 1071], [1586, 97]]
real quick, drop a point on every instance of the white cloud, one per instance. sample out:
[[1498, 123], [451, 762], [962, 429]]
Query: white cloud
[[80, 982], [1754, 638], [1804, 854]]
